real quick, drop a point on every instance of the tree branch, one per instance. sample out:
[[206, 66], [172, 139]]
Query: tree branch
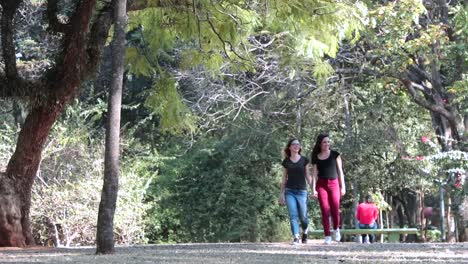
[[419, 72], [98, 36], [410, 86], [71, 64], [222, 40]]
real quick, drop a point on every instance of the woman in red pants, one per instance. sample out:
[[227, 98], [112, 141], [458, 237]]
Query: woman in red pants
[[328, 184]]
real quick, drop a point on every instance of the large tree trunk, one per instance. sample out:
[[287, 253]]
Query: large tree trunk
[[105, 225], [16, 184], [76, 61]]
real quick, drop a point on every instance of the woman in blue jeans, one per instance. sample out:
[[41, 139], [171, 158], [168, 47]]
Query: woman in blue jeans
[[296, 176]]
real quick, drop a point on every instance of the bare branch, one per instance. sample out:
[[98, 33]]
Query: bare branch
[[243, 103]]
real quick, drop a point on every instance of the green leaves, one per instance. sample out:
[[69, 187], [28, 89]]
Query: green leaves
[[218, 37], [314, 29], [137, 63], [66, 194], [167, 104], [322, 71], [223, 188]]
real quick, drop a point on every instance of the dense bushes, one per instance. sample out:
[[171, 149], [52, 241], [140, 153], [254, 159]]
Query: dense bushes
[[68, 186], [222, 189]]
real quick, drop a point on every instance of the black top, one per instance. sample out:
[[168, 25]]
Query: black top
[[327, 168], [296, 173]]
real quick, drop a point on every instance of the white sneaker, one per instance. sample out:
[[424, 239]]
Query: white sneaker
[[328, 240], [337, 235], [366, 239], [295, 241]]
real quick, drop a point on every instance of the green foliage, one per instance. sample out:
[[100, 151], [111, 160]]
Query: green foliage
[[434, 235], [310, 30], [221, 189], [222, 184], [392, 23], [402, 36], [386, 129], [443, 165], [218, 35], [8, 132], [137, 63], [317, 27], [379, 201], [214, 28], [66, 193], [457, 50], [166, 102], [322, 71], [460, 92]]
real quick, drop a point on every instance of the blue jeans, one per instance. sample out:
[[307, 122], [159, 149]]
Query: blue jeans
[[296, 201], [366, 226]]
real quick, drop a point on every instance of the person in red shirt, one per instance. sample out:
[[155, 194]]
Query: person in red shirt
[[367, 215]]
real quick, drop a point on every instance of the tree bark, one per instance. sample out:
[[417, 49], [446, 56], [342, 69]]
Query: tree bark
[[10, 214], [401, 218], [77, 60], [411, 206], [20, 175], [105, 225]]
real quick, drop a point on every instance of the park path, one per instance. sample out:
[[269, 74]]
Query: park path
[[271, 253]]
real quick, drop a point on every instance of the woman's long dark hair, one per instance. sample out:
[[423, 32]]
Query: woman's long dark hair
[[287, 152], [316, 149]]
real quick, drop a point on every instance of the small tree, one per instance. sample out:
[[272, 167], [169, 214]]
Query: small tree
[[105, 225]]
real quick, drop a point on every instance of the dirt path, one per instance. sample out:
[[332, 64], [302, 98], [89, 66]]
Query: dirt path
[[270, 253]]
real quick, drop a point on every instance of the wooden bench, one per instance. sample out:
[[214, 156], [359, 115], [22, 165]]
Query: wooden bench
[[393, 233]]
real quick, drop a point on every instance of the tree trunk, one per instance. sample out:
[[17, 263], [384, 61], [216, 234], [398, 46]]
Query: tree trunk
[[105, 225], [16, 184], [419, 206], [82, 42], [442, 212], [409, 206], [391, 212], [451, 227]]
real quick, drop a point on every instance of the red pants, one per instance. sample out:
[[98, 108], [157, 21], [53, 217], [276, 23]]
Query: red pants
[[329, 196]]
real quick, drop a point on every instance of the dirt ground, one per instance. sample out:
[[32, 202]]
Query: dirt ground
[[313, 252]]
